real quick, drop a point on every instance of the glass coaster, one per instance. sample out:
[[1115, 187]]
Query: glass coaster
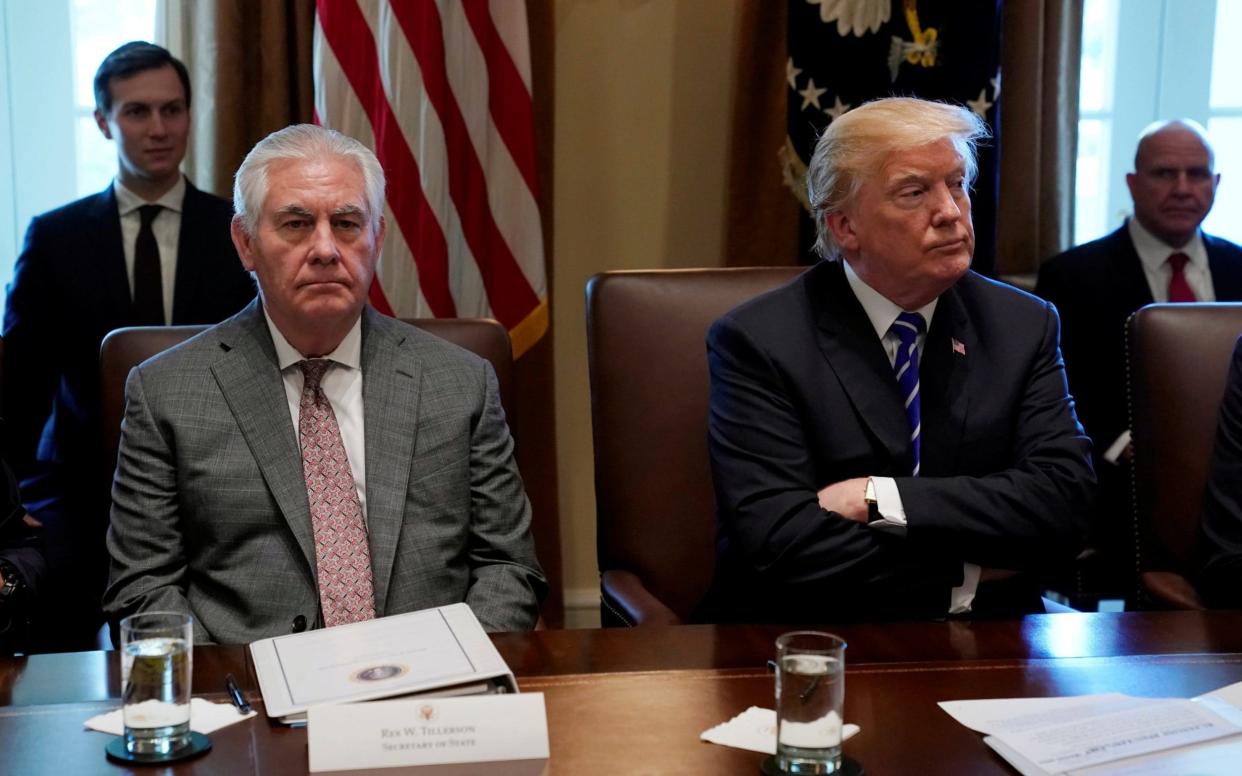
[[848, 767], [199, 744]]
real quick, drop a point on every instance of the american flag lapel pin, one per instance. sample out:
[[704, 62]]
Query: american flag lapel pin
[[958, 347]]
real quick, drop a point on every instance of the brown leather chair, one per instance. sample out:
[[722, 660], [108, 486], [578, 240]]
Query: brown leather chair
[[1179, 357], [655, 508], [124, 349], [121, 351]]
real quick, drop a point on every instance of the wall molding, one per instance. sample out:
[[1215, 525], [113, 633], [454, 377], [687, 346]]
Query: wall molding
[[582, 607]]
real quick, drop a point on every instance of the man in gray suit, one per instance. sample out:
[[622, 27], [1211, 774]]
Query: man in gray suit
[[309, 462]]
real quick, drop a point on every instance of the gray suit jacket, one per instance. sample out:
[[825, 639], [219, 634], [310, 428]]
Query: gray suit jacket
[[209, 507]]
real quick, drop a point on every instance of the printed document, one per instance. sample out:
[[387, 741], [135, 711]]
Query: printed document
[[443, 650], [1110, 733]]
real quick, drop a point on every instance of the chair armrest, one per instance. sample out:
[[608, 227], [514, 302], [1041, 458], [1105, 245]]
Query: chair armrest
[[624, 601], [1171, 590]]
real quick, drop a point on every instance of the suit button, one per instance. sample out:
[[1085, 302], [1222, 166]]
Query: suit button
[[299, 624]]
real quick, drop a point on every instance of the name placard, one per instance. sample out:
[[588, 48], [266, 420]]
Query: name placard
[[510, 732]]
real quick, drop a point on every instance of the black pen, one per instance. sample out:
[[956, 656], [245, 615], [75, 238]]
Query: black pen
[[235, 693]]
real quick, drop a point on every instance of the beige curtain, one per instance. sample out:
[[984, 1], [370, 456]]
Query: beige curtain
[[1039, 134], [535, 419], [762, 226], [250, 66]]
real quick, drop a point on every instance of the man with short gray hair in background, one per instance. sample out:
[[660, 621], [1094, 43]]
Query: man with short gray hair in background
[[309, 462], [890, 433], [1160, 254]]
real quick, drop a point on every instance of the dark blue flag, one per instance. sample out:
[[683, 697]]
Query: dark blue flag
[[843, 53]]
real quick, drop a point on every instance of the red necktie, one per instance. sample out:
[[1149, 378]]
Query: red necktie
[[1179, 289], [342, 556]]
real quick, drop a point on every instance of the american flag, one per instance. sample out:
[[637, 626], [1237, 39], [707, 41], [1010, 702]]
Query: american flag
[[441, 90]]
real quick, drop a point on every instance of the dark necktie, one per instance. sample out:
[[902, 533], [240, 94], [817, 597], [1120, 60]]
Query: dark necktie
[[1179, 289], [908, 327], [148, 288], [342, 555]]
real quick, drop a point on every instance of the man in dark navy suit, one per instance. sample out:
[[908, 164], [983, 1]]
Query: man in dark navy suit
[[149, 250], [1159, 255], [890, 433]]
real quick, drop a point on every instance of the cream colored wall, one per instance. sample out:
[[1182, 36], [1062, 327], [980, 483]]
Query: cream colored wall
[[644, 96]]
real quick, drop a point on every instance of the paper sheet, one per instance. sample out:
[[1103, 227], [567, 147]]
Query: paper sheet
[[1080, 739], [338, 661], [1110, 733], [992, 715]]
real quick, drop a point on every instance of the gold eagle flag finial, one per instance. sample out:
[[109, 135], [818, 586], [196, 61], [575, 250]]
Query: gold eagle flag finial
[[920, 50]]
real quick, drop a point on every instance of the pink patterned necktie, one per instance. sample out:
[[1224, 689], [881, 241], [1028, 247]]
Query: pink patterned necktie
[[341, 552]]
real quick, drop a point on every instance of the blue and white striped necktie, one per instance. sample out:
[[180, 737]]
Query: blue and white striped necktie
[[908, 327]]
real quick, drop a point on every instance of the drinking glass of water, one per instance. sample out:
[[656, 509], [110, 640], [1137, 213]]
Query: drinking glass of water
[[156, 670], [810, 693]]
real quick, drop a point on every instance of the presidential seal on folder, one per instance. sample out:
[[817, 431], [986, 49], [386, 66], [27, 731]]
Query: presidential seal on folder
[[433, 653]]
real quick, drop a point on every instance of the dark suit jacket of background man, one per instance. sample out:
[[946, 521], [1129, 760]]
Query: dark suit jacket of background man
[[1096, 287], [70, 289], [803, 395], [210, 514]]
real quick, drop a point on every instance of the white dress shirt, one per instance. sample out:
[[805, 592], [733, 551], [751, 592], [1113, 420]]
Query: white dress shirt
[[1154, 255], [167, 230], [882, 312], [342, 384]]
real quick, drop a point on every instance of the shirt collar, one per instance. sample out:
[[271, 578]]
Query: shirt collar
[[348, 353], [127, 201], [881, 311], [1154, 252]]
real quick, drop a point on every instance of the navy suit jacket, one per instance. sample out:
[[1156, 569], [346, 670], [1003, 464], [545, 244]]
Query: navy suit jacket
[[70, 289], [803, 395], [1096, 287]]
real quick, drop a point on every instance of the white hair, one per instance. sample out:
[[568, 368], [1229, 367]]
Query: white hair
[[856, 145], [303, 142]]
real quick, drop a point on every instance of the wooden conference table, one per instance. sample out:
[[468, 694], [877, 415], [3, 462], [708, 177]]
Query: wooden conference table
[[634, 701]]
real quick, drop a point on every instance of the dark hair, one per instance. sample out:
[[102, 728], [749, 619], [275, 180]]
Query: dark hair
[[130, 59]]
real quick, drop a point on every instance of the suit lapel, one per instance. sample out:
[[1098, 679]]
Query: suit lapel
[[391, 377], [103, 240], [189, 265], [944, 371], [1133, 290], [849, 343], [1225, 269], [249, 377]]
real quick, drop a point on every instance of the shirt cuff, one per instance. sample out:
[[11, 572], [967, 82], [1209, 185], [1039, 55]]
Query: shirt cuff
[[893, 519], [963, 596], [888, 503], [1119, 445]]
